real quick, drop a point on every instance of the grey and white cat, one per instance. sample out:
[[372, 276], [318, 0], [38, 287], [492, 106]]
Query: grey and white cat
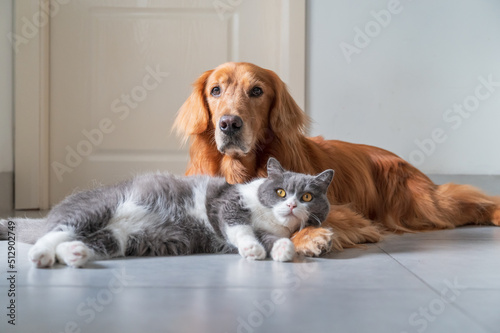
[[162, 214]]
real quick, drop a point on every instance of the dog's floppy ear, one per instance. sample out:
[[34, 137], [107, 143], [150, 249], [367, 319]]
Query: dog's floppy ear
[[193, 116], [286, 116]]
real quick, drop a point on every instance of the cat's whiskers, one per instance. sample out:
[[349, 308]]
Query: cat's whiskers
[[315, 218], [302, 224]]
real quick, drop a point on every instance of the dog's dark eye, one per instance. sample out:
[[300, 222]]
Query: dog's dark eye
[[256, 92], [215, 92]]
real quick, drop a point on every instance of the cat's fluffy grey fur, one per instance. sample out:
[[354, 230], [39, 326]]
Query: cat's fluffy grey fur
[[163, 214]]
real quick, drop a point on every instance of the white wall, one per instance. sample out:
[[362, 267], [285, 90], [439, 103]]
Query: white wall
[[6, 65], [400, 86]]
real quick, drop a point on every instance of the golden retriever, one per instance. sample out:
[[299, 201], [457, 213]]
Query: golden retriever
[[239, 115]]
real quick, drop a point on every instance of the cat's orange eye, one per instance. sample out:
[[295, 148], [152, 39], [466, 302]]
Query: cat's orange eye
[[281, 192], [307, 197]]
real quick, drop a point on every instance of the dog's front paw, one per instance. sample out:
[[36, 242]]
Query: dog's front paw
[[41, 256], [283, 250], [252, 250], [312, 241]]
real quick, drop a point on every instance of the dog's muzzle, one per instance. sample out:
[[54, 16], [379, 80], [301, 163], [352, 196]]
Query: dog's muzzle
[[230, 140]]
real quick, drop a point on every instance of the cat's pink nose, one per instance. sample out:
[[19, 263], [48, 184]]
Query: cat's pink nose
[[291, 205]]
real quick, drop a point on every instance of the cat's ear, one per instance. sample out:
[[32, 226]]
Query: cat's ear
[[274, 168], [325, 178]]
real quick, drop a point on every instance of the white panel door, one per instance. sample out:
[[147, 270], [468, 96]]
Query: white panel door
[[120, 70]]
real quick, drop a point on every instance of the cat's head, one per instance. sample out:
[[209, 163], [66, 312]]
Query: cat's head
[[296, 199]]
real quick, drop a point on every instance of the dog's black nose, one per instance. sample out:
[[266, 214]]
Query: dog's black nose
[[230, 125]]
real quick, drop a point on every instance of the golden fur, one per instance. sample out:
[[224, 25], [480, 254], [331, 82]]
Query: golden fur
[[373, 191]]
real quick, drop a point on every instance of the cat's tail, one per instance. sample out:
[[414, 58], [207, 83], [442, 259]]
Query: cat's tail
[[24, 230]]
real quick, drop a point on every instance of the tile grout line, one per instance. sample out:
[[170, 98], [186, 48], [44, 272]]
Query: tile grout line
[[453, 304]]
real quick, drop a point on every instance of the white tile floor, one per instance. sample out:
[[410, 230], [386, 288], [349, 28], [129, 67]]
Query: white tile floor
[[444, 281]]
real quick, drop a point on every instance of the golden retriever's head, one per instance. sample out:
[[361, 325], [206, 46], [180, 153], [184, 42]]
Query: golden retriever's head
[[242, 105]]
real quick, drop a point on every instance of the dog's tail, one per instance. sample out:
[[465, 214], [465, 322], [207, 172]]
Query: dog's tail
[[24, 230], [465, 204], [414, 202], [453, 205]]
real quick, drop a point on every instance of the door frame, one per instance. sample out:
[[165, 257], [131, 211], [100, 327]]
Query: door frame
[[31, 124], [32, 78]]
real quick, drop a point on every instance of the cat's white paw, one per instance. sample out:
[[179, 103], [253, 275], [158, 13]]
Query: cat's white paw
[[42, 256], [283, 250], [74, 254], [252, 250]]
